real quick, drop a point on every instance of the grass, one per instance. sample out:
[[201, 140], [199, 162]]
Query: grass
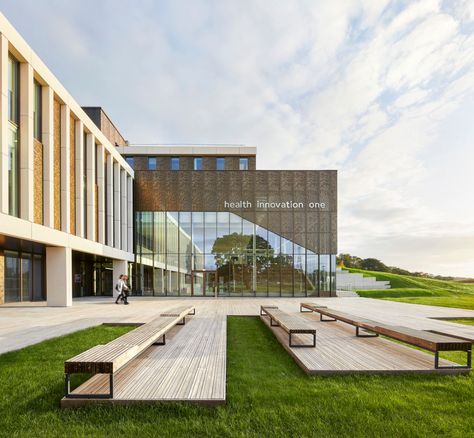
[[267, 395], [465, 321], [418, 290]]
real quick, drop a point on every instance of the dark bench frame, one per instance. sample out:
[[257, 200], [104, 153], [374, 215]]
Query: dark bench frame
[[391, 332], [110, 394], [363, 329], [290, 332]]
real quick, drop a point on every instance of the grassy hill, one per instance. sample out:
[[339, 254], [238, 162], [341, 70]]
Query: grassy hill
[[419, 290]]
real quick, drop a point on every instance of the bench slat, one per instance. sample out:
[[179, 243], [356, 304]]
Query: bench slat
[[111, 357]]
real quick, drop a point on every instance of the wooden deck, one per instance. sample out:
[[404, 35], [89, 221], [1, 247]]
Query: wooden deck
[[192, 365], [339, 351]]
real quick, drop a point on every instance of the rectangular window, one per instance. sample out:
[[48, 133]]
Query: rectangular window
[[244, 164], [220, 163], [175, 163], [84, 185], [198, 163], [13, 90], [13, 137], [130, 161], [152, 163], [37, 115]]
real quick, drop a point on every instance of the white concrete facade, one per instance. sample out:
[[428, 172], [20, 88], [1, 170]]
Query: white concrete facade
[[92, 156]]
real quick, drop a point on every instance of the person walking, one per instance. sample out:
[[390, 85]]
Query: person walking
[[125, 289], [119, 288]]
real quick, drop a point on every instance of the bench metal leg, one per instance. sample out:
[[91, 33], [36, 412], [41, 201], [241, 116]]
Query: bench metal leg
[[182, 322], [467, 366], [262, 312], [163, 342], [366, 333], [290, 343], [68, 394], [305, 311], [327, 319], [193, 312], [271, 323]]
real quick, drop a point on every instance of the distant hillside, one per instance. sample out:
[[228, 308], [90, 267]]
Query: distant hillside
[[420, 290], [373, 264]]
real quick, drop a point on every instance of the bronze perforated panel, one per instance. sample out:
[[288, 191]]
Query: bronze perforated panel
[[38, 182], [315, 229]]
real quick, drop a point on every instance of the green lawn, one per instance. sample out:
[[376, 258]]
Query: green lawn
[[416, 290], [267, 393]]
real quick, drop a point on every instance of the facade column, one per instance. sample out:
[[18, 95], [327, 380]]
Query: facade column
[[90, 145], [101, 193], [123, 210], [26, 142], [130, 218], [110, 200], [47, 136], [59, 276], [117, 199], [79, 178], [65, 174], [3, 124]]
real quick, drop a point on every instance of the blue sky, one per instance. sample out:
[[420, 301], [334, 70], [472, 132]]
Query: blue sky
[[381, 90]]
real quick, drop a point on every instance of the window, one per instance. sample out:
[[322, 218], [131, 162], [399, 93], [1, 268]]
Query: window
[[130, 161], [244, 164], [13, 94], [37, 111], [220, 163], [152, 163], [84, 184], [13, 137], [198, 163], [175, 163]]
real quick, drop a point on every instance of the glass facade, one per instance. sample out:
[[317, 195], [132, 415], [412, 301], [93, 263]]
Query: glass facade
[[23, 276], [152, 163], [244, 164], [220, 163], [198, 163], [175, 163], [37, 114], [13, 136], [222, 254], [130, 161]]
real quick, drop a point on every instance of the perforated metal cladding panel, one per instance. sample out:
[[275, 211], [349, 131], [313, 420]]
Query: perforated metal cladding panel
[[206, 190]]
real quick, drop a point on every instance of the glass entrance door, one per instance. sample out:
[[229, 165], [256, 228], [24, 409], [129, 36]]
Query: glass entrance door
[[210, 284], [26, 278], [204, 283]]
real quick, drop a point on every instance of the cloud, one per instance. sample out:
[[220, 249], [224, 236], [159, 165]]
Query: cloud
[[380, 90]]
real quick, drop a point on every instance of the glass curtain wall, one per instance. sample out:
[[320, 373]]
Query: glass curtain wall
[[13, 136], [23, 276], [223, 254]]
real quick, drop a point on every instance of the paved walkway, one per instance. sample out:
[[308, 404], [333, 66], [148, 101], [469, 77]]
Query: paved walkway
[[24, 325]]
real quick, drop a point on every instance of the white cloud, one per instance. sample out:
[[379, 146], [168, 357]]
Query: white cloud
[[378, 89]]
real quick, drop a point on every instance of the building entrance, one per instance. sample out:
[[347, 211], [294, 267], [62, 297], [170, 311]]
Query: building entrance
[[203, 283]]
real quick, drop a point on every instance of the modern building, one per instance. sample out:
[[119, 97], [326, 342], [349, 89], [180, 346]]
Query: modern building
[[79, 205], [66, 201]]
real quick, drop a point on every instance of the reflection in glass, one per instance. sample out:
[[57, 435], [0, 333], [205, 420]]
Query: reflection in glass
[[208, 253], [220, 163]]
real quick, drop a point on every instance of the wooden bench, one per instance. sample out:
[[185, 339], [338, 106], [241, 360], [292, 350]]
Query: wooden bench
[[334, 315], [427, 340], [291, 323], [111, 357]]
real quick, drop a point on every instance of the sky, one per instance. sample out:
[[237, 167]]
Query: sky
[[382, 91]]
